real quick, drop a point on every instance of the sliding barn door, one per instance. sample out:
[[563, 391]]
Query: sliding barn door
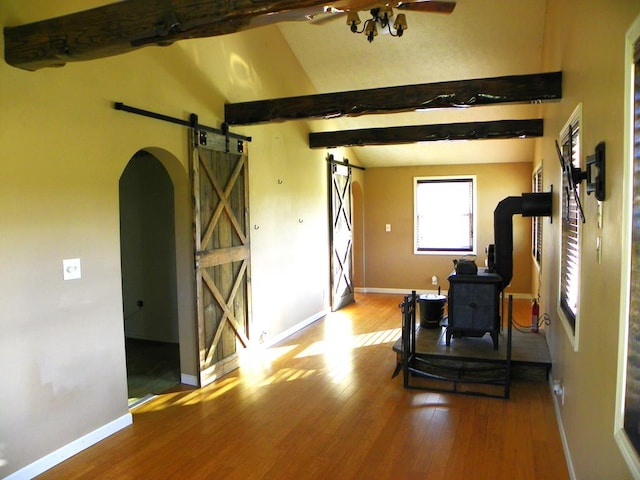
[[341, 236], [222, 251]]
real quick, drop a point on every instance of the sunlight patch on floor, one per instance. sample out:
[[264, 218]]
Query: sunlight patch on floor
[[288, 375], [180, 399], [257, 359], [429, 399], [256, 364], [329, 346], [337, 348]]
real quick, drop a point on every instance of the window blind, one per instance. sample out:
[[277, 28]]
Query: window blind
[[570, 260], [444, 215], [537, 221]]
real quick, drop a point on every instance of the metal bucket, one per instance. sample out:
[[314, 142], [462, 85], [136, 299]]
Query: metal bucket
[[431, 310]]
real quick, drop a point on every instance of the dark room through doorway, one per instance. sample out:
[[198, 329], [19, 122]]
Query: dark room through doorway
[[149, 290]]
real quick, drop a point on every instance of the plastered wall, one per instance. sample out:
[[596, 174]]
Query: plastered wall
[[586, 40], [390, 261], [63, 149]]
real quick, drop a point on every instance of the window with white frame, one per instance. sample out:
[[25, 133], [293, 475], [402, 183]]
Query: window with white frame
[[571, 221], [444, 215], [536, 240]]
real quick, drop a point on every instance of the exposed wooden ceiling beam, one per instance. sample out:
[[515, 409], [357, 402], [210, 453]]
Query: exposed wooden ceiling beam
[[428, 133], [130, 24], [459, 93]]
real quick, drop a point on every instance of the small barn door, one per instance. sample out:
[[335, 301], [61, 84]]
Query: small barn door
[[222, 251], [341, 235]]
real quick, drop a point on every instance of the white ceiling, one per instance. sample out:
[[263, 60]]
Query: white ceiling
[[481, 38]]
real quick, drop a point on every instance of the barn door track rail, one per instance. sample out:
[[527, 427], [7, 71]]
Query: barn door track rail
[[345, 162], [191, 123]]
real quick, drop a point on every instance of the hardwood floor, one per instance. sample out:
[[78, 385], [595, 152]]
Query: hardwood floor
[[322, 405]]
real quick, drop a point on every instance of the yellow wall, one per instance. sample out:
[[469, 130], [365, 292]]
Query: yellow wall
[[63, 148], [390, 261], [586, 40]]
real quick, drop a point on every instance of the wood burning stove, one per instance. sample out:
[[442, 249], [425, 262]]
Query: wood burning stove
[[474, 306]]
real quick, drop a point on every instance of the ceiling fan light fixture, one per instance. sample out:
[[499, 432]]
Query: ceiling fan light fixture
[[384, 14], [370, 30], [400, 24], [353, 20]]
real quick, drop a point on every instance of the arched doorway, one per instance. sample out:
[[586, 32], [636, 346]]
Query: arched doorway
[[149, 290]]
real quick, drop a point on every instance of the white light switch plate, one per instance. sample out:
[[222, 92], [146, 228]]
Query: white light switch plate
[[387, 227], [71, 269]]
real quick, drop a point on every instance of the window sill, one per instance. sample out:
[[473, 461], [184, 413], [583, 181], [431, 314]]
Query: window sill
[[536, 263], [573, 337], [450, 253]]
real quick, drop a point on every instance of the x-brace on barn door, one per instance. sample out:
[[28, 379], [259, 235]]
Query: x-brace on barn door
[[222, 250]]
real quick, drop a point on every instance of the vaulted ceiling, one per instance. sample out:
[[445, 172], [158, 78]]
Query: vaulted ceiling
[[481, 38]]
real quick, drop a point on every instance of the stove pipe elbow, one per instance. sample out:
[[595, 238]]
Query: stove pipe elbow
[[503, 237], [529, 205]]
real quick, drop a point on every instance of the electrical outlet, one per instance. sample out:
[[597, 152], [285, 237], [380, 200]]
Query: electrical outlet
[[434, 280], [558, 389], [71, 269]]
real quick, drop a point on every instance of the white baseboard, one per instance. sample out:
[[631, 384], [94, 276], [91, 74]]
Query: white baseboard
[[54, 458], [189, 379], [395, 291], [297, 327], [563, 435], [406, 291]]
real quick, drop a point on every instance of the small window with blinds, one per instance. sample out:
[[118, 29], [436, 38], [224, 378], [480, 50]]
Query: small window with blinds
[[571, 220], [536, 230], [444, 215]]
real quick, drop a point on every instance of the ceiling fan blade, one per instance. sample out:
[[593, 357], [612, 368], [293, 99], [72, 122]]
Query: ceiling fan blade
[[321, 14], [325, 17], [427, 6], [295, 15]]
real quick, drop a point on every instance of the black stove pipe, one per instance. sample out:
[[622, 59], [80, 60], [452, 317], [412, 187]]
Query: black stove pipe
[[529, 205]]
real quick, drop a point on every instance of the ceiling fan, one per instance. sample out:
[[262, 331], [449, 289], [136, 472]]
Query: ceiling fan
[[381, 14], [430, 6], [381, 17]]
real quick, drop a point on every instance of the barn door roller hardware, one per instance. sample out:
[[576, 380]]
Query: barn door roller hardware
[[345, 162], [193, 123]]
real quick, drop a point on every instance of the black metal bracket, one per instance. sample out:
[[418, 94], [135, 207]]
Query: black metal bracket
[[574, 176], [193, 123], [595, 174], [346, 163], [551, 191]]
